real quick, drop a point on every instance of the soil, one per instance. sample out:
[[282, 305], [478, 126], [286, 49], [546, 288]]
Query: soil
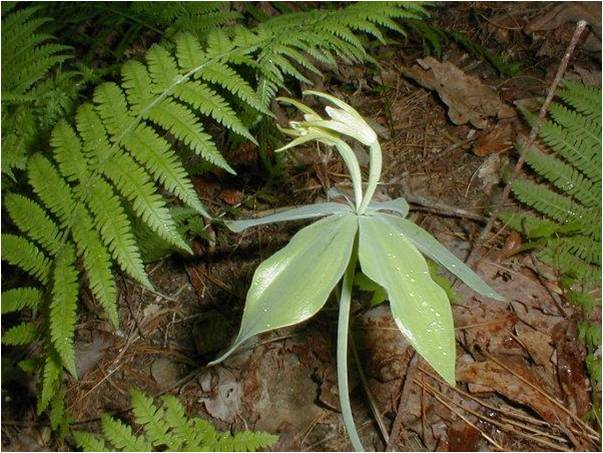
[[521, 379]]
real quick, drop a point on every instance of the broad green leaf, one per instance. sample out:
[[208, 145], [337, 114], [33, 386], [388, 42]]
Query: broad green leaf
[[419, 306], [430, 246], [303, 212], [398, 205], [295, 282]]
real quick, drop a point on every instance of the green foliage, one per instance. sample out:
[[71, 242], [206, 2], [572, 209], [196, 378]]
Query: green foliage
[[294, 284], [111, 172], [435, 37], [35, 91], [363, 283], [567, 233], [167, 428]]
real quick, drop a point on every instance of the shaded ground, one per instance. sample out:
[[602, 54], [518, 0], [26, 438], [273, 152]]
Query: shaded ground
[[521, 380]]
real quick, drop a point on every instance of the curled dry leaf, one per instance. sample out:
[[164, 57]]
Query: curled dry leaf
[[497, 140], [467, 98]]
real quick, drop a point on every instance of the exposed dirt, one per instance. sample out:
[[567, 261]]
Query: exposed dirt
[[521, 379]]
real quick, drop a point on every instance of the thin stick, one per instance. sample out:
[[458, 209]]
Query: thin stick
[[580, 26], [397, 426], [369, 394]]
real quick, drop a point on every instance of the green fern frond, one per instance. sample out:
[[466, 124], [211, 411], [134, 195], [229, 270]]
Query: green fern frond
[[89, 442], [152, 418], [63, 307], [34, 93], [211, 104], [19, 252], [68, 153], [21, 334], [571, 148], [135, 185], [563, 176], [116, 230], [249, 441], [48, 184], [549, 203], [167, 428], [18, 299], [584, 99], [31, 219], [51, 378], [578, 125], [97, 262], [122, 436]]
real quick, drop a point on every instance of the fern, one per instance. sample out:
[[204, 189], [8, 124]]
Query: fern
[[167, 428], [568, 231], [108, 172], [35, 93]]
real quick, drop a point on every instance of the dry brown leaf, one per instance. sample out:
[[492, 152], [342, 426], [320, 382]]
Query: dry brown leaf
[[467, 98], [512, 387], [495, 141]]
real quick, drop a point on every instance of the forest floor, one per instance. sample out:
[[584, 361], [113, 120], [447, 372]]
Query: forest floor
[[521, 379]]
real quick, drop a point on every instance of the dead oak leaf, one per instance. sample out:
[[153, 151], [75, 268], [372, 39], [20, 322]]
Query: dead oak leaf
[[467, 98]]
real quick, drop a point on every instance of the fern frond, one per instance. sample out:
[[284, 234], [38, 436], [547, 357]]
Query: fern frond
[[135, 185], [169, 429], [116, 230], [18, 299], [19, 252], [97, 262], [30, 218], [181, 122], [57, 414], [33, 92], [121, 436], [183, 430], [563, 176], [570, 148], [89, 442], [585, 99], [63, 307], [578, 126], [226, 77], [67, 150], [152, 419], [529, 225], [551, 204], [583, 300], [21, 334], [249, 441], [25, 50], [50, 187], [211, 104], [51, 377]]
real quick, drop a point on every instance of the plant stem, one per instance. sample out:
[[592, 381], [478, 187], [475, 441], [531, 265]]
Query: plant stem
[[375, 162], [342, 351]]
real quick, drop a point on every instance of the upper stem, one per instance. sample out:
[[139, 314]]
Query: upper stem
[[351, 162], [375, 162], [342, 351]]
